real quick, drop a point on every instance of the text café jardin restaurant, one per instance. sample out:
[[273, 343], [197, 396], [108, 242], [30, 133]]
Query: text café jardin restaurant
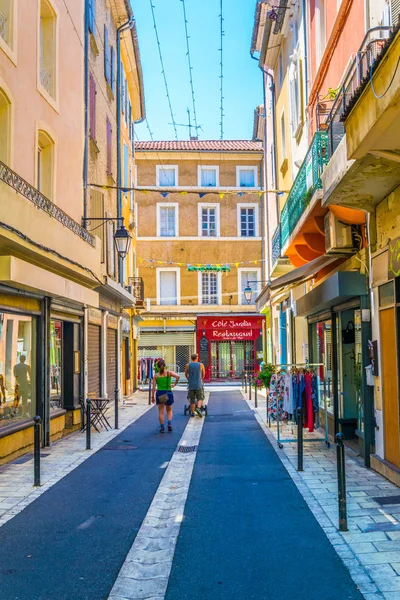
[[229, 345]]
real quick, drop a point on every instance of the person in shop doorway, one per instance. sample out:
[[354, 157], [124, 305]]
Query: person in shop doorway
[[195, 373], [162, 393], [22, 374]]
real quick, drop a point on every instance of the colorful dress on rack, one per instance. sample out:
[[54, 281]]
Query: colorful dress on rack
[[276, 397]]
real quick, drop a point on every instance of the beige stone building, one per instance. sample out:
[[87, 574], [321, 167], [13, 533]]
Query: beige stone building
[[199, 242]]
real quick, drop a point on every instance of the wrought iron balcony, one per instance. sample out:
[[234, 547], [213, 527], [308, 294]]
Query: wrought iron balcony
[[372, 50], [3, 26], [276, 246], [45, 78], [137, 290], [27, 190], [308, 180]]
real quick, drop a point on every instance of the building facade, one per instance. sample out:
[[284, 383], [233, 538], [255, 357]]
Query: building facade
[[324, 302], [199, 213], [53, 280]]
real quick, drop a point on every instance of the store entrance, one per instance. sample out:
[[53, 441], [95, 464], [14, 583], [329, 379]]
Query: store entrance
[[230, 359]]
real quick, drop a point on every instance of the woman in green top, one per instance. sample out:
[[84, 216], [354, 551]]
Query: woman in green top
[[162, 387]]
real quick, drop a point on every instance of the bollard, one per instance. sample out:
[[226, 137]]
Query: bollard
[[255, 395], [242, 380], [116, 410], [250, 384], [300, 440], [341, 472], [245, 383], [88, 423], [36, 450], [149, 391]]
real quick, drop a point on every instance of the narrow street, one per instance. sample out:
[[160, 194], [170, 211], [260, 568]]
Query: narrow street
[[245, 532]]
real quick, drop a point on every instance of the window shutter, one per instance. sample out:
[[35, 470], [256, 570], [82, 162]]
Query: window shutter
[[91, 8], [92, 104], [106, 55], [122, 88], [395, 5], [96, 211], [112, 69], [109, 146]]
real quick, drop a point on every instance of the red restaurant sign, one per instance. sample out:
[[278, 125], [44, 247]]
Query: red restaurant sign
[[230, 328]]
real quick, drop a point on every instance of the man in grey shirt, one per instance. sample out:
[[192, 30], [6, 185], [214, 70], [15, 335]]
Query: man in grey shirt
[[195, 372]]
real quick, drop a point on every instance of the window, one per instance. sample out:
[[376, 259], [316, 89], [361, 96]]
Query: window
[[92, 107], [281, 70], [251, 279], [210, 288], [56, 328], [247, 220], [91, 12], [6, 22], [109, 147], [296, 108], [320, 29], [168, 286], [246, 177], [209, 220], [48, 28], [45, 164], [167, 176], [5, 124], [208, 176], [107, 62], [167, 219], [18, 337], [111, 263]]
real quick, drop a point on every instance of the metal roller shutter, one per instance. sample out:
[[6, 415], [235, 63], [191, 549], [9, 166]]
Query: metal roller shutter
[[94, 360], [177, 338], [111, 362], [395, 11]]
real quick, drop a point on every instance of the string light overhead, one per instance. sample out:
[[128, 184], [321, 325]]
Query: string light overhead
[[221, 50], [190, 71], [163, 70]]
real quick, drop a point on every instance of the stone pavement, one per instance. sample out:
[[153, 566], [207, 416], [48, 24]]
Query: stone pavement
[[371, 547], [59, 459]]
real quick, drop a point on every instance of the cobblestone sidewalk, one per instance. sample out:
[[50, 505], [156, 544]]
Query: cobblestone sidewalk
[[371, 547], [62, 457]]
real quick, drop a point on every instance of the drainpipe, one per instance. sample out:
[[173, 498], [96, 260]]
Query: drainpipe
[[86, 119], [124, 27]]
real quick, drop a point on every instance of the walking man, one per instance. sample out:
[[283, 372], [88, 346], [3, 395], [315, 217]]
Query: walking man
[[195, 372]]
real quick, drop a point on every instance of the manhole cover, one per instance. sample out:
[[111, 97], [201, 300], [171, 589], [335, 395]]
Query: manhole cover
[[388, 500], [186, 449]]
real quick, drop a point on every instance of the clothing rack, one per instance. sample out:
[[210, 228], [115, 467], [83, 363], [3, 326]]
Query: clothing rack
[[281, 441]]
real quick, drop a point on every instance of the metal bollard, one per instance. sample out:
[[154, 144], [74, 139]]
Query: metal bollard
[[116, 409], [300, 440], [242, 380], [88, 422], [255, 395], [341, 472], [250, 384], [36, 450], [245, 383], [149, 391]]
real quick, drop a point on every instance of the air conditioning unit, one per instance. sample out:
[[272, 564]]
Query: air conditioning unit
[[338, 236]]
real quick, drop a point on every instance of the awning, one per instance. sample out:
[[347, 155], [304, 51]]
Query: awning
[[296, 276]]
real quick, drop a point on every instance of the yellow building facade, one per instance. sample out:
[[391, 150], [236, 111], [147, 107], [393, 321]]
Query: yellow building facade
[[200, 222]]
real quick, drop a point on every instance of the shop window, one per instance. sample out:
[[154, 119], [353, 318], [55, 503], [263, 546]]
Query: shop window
[[48, 28], [45, 164], [322, 353], [17, 368], [56, 331], [6, 21], [209, 288], [5, 122], [386, 294]]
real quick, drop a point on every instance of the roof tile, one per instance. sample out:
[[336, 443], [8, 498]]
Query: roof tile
[[201, 146]]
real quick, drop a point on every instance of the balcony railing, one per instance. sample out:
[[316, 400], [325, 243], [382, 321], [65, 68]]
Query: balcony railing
[[3, 26], [30, 193], [308, 180], [367, 59], [45, 78], [276, 246], [137, 286]]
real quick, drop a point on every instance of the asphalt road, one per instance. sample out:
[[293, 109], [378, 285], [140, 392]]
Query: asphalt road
[[71, 542], [247, 533]]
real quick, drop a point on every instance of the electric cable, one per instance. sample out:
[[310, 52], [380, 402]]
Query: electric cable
[[222, 33], [190, 67]]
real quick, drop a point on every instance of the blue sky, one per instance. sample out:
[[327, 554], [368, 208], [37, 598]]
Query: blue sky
[[242, 77]]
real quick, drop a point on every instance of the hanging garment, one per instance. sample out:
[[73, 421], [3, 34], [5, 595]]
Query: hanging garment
[[276, 396], [309, 406], [288, 394]]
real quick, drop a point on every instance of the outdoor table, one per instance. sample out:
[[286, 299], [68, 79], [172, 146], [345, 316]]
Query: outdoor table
[[99, 407]]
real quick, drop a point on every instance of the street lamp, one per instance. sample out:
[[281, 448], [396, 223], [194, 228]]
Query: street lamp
[[122, 241], [248, 291]]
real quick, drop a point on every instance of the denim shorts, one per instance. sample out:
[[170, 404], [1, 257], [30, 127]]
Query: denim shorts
[[161, 393]]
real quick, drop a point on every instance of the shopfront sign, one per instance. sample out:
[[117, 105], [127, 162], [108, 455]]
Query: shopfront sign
[[112, 321], [394, 258], [204, 351], [94, 316], [230, 328]]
